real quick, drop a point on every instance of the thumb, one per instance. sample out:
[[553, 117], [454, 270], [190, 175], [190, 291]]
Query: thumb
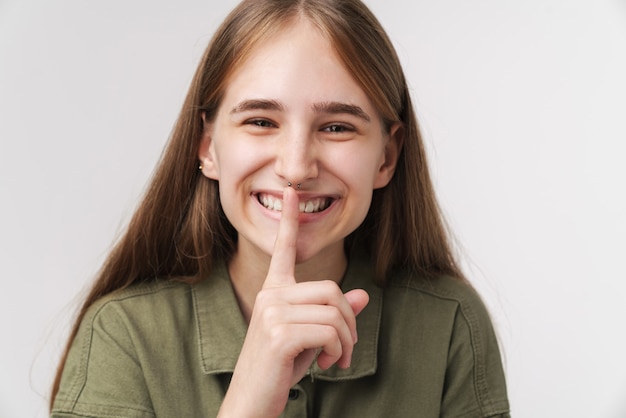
[[358, 300]]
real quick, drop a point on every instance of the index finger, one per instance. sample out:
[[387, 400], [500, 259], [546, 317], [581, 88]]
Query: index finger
[[282, 265]]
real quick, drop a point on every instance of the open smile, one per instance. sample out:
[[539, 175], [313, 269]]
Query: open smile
[[314, 205]]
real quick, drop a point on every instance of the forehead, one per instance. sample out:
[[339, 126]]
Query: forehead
[[297, 62]]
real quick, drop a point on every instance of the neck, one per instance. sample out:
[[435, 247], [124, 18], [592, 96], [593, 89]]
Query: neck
[[248, 269]]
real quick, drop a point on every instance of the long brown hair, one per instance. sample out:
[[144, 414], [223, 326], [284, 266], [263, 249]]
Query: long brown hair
[[179, 229]]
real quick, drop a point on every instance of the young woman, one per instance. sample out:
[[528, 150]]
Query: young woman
[[289, 256]]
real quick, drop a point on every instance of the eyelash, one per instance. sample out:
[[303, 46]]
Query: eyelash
[[338, 128], [261, 123], [334, 128]]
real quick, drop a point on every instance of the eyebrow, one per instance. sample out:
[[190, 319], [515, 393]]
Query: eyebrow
[[324, 107], [338, 108], [257, 104]]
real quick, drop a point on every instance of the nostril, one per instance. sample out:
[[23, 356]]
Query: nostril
[[296, 167]]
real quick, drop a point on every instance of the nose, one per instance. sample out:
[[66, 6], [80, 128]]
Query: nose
[[296, 157]]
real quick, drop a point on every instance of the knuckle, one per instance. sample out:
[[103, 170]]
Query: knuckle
[[336, 317], [332, 291], [330, 286], [263, 298], [330, 333], [278, 336], [271, 314]]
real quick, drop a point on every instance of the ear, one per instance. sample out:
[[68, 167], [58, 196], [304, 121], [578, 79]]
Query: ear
[[206, 152], [393, 147]]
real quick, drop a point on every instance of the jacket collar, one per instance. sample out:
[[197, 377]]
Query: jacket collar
[[222, 329]]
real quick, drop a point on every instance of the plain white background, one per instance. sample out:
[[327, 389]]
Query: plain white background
[[523, 107]]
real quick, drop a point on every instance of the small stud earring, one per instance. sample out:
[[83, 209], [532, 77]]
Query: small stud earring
[[200, 167]]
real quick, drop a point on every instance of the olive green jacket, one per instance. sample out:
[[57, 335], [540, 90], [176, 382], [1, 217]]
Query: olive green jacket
[[167, 349]]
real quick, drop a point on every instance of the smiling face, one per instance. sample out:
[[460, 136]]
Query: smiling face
[[292, 113]]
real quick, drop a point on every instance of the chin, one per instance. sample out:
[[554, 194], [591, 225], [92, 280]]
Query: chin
[[303, 256], [306, 252]]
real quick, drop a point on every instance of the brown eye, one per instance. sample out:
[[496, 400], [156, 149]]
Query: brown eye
[[261, 123], [338, 128]]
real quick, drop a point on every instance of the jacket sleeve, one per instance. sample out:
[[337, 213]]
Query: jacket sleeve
[[102, 376]]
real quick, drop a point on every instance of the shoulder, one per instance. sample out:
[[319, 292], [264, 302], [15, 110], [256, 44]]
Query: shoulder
[[149, 292], [148, 301], [441, 287], [444, 295], [453, 328], [141, 314], [115, 340], [446, 304]]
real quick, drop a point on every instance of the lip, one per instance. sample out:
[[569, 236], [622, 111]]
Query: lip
[[304, 217]]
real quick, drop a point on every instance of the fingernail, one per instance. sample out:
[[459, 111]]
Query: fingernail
[[347, 364]]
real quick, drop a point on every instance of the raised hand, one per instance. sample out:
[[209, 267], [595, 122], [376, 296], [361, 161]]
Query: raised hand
[[290, 322]]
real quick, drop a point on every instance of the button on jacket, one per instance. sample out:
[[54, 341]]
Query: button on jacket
[[167, 349]]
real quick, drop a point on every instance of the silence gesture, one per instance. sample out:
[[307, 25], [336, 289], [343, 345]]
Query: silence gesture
[[290, 322]]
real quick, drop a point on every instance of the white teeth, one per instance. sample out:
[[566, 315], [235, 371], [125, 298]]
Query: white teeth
[[309, 206]]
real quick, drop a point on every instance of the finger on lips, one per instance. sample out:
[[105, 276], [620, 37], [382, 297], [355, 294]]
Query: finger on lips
[[319, 308], [282, 266]]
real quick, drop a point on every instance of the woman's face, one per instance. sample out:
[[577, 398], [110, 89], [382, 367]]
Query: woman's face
[[293, 113]]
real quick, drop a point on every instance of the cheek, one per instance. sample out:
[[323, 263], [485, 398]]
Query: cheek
[[358, 168], [237, 159], [358, 173], [238, 164]]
